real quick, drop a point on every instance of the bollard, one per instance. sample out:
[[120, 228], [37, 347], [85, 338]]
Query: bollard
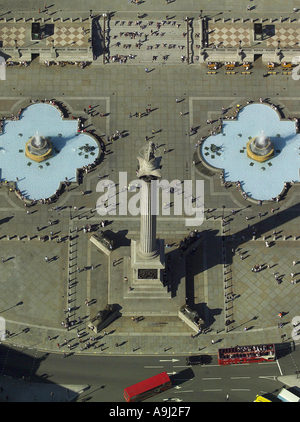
[[253, 237], [18, 237], [7, 237], [28, 238]]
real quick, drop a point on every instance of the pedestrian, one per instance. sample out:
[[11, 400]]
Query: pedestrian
[[294, 262], [146, 70], [46, 259], [3, 260], [212, 342]]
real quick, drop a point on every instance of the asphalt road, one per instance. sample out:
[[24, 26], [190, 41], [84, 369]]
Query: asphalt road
[[107, 376]]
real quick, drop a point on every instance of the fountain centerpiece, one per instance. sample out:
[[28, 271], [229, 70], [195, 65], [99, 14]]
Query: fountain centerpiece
[[38, 148], [260, 148]]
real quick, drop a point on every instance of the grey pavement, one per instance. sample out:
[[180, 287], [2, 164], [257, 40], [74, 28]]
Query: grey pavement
[[34, 294]]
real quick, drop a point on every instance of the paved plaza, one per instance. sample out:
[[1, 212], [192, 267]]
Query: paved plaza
[[35, 295]]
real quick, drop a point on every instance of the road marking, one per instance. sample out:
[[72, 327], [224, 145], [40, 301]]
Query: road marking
[[239, 378], [153, 366], [279, 367], [240, 389], [172, 399], [207, 379], [269, 377], [186, 391], [215, 389], [169, 360]]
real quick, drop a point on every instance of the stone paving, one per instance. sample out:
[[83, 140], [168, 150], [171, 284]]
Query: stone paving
[[225, 34], [34, 294]]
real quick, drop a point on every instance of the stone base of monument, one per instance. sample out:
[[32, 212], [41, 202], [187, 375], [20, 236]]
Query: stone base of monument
[[147, 273]]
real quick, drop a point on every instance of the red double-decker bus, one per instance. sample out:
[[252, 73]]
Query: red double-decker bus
[[147, 388], [246, 354]]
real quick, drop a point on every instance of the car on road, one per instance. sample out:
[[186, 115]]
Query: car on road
[[198, 360]]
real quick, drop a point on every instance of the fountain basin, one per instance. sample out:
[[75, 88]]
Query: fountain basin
[[38, 148], [260, 149]]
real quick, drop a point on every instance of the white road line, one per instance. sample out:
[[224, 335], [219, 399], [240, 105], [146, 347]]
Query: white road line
[[153, 366], [214, 389], [186, 391], [238, 378], [240, 389], [279, 367], [208, 379]]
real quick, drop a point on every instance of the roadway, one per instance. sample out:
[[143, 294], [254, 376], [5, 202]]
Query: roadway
[[107, 376]]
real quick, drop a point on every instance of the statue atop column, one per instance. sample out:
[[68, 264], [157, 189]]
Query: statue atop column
[[149, 164]]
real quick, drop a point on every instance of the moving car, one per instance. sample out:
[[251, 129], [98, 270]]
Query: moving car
[[198, 360]]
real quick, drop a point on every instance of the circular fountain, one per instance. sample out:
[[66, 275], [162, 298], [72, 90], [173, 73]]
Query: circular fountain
[[260, 148], [38, 148]]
